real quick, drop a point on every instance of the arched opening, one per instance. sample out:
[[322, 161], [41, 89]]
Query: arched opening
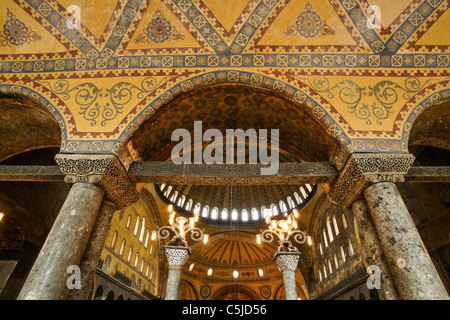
[[235, 292], [110, 295], [29, 135], [98, 293], [429, 203]]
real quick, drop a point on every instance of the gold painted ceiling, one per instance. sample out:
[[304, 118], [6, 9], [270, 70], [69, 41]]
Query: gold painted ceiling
[[104, 68]]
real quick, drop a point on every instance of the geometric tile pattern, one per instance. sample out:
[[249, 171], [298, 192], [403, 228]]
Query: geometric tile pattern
[[224, 51]]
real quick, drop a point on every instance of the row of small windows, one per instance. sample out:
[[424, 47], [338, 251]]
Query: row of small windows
[[328, 263], [328, 235], [135, 263], [245, 216], [149, 271], [235, 272], [143, 231]]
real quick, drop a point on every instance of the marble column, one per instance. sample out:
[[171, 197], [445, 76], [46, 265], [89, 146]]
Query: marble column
[[176, 258], [65, 244], [94, 248], [373, 252], [287, 262], [411, 267]]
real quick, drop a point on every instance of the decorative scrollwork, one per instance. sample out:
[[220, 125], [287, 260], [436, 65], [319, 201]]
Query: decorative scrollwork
[[164, 232], [197, 234], [386, 94], [104, 103], [299, 236], [267, 236]]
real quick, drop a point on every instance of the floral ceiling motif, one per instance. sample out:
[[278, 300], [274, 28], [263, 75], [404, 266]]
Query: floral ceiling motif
[[159, 30], [309, 24], [16, 33]]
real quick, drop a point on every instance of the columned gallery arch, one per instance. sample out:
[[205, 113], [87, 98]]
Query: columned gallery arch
[[185, 150]]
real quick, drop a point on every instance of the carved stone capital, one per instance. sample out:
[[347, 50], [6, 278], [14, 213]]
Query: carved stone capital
[[105, 171], [177, 256], [363, 169], [287, 261]]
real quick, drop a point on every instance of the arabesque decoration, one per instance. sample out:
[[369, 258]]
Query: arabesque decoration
[[309, 24], [159, 30], [89, 97], [16, 33]]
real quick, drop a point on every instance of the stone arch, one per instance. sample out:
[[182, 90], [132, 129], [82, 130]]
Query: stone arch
[[436, 96], [27, 95], [305, 100], [233, 291], [187, 290], [26, 126]]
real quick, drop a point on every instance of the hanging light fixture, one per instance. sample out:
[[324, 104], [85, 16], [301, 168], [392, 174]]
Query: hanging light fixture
[[180, 226], [285, 229]]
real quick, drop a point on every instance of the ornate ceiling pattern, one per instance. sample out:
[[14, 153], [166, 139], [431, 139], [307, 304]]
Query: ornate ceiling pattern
[[103, 77]]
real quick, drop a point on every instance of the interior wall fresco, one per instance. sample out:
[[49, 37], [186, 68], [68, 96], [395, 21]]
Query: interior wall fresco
[[104, 75]]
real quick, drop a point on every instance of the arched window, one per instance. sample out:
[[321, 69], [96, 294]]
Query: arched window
[[325, 238], [224, 214], [283, 207], [344, 221], [350, 248], [336, 228], [320, 248], [234, 215], [330, 232], [342, 254], [274, 209], [128, 222], [151, 275], [189, 205], [148, 268], [261, 273], [255, 214], [141, 236], [215, 214], [303, 192], [244, 215], [335, 261], [324, 271], [329, 266], [130, 253], [264, 212], [136, 260], [320, 276], [161, 187], [174, 196], [297, 198], [151, 248], [142, 265], [290, 202], [198, 206], [107, 264], [114, 240], [136, 227], [205, 212], [169, 189], [147, 237], [122, 247], [181, 201], [308, 186]]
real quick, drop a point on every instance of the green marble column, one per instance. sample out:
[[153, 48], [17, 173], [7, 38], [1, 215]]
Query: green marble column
[[64, 246], [411, 267]]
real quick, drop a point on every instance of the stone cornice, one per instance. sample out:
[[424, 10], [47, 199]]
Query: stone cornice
[[105, 171], [363, 169]]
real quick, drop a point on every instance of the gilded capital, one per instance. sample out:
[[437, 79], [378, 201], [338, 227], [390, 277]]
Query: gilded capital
[[363, 169], [105, 171]]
